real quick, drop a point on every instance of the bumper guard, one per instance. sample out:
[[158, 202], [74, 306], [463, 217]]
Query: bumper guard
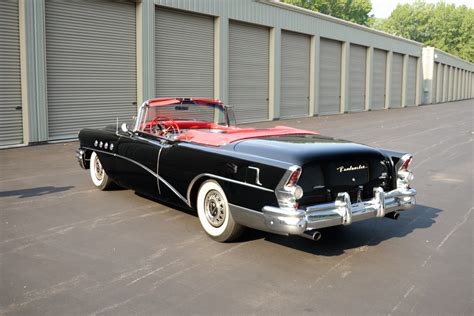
[[81, 159], [341, 211]]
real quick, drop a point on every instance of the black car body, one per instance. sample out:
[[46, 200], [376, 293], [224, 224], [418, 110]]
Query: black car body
[[280, 180]]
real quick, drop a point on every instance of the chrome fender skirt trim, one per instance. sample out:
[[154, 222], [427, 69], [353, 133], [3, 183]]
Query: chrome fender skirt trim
[[210, 175]]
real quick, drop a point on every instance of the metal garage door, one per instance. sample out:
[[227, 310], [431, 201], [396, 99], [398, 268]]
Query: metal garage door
[[445, 83], [450, 83], [357, 64], [440, 88], [295, 58], [91, 64], [411, 81], [463, 88], [379, 79], [184, 54], [434, 83], [248, 71], [396, 82], [11, 127], [459, 84], [455, 83], [330, 77]]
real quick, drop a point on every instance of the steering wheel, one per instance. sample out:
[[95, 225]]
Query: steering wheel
[[164, 130]]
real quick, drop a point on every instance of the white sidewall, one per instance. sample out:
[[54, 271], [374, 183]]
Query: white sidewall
[[205, 188], [96, 181]]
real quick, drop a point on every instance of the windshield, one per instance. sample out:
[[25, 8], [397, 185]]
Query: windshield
[[185, 114]]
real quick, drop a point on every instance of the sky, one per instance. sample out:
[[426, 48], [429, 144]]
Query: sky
[[383, 8]]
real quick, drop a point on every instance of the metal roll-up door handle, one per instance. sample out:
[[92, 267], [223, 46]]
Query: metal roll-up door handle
[[18, 107]]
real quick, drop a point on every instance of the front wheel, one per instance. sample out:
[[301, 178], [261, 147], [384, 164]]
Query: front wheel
[[100, 179], [214, 214]]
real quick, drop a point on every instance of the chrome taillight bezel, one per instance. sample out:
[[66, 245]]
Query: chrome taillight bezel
[[288, 191], [404, 175]]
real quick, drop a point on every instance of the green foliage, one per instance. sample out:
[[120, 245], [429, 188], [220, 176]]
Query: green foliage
[[356, 11], [444, 26]]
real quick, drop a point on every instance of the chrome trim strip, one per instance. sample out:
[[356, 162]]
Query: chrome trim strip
[[191, 184], [147, 169], [257, 178], [174, 190], [158, 170], [123, 157]]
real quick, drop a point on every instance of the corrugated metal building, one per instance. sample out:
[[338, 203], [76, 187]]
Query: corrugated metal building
[[66, 65]]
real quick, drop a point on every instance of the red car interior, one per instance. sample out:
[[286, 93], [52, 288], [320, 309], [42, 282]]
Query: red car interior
[[209, 133]]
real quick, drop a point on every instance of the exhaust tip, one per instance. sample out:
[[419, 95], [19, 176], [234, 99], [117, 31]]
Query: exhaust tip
[[313, 235], [317, 236], [393, 215]]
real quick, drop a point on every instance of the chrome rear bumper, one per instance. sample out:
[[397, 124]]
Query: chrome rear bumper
[[340, 212]]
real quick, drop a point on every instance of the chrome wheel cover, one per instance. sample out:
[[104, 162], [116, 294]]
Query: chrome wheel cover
[[98, 170], [214, 208]]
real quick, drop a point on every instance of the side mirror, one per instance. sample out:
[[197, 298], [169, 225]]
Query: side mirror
[[124, 128]]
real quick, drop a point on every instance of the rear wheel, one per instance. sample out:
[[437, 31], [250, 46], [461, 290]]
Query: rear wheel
[[100, 179], [214, 214]]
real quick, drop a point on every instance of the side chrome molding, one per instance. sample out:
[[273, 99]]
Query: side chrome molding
[[160, 179], [210, 175]]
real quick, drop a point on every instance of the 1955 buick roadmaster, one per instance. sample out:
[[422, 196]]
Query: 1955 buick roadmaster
[[189, 152]]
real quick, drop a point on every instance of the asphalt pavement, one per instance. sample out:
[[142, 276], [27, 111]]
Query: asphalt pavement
[[67, 248]]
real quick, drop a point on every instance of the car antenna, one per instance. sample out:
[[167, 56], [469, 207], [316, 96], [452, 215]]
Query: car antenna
[[116, 127]]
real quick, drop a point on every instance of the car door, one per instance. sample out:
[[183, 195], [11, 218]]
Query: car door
[[137, 162]]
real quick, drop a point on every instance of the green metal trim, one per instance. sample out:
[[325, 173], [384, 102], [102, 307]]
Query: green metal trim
[[36, 70], [148, 48]]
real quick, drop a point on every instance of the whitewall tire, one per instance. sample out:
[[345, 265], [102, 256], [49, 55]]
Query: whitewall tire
[[214, 214], [100, 179]]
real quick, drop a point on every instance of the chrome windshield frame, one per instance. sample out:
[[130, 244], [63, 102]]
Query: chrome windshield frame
[[228, 115]]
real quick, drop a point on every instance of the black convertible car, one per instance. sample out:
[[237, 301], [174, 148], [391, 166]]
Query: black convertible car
[[288, 181]]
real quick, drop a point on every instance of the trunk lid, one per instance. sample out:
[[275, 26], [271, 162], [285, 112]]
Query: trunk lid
[[329, 165]]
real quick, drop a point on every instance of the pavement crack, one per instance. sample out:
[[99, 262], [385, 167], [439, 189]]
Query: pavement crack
[[455, 228]]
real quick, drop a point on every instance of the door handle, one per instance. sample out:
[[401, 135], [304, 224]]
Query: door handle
[[18, 107]]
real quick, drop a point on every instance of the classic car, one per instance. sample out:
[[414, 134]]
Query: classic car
[[189, 152]]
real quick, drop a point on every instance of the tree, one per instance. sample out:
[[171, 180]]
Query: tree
[[356, 11], [444, 26]]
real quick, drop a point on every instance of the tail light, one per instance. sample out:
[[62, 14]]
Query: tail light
[[288, 192], [294, 176], [406, 164], [404, 175]]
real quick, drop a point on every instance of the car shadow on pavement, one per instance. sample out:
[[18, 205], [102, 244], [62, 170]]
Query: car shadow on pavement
[[33, 192], [337, 240]]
